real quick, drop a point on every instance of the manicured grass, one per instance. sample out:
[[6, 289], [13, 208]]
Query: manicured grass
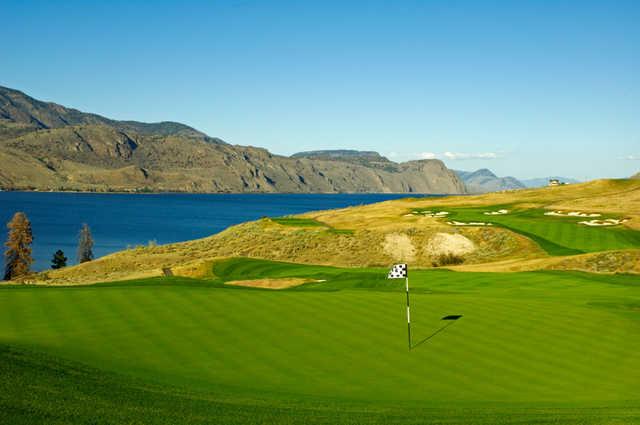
[[540, 347], [298, 222], [556, 235], [309, 222], [38, 388]]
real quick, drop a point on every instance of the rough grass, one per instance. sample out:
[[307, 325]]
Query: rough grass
[[542, 347]]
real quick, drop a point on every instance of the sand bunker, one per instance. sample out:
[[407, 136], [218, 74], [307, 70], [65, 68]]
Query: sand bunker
[[605, 222], [399, 247], [446, 243], [572, 214], [499, 212], [471, 223], [272, 283]]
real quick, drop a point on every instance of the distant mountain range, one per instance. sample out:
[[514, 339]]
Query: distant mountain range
[[46, 146], [635, 176], [483, 180]]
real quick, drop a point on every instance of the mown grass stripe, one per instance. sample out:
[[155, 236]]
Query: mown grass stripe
[[523, 337]]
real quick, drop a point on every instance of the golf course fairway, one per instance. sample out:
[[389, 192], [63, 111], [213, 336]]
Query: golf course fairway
[[534, 347]]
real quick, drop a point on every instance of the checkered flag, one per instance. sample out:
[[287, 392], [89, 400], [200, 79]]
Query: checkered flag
[[398, 271]]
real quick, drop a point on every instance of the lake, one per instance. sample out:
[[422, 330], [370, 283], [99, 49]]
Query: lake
[[121, 220]]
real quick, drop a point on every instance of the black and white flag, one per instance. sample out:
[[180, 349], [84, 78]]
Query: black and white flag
[[398, 271]]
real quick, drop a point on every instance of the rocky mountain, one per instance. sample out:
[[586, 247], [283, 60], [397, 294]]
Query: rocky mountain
[[544, 181], [636, 176], [483, 180], [45, 146], [20, 114], [366, 158], [340, 154]]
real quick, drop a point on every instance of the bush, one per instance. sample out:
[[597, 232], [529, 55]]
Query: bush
[[448, 259]]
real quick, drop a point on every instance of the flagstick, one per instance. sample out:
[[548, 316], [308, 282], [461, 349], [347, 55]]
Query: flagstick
[[408, 314]]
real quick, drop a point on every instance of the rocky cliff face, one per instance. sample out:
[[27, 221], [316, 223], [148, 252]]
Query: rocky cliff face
[[45, 146]]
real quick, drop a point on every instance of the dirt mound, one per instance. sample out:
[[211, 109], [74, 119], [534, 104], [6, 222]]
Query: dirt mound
[[447, 243], [271, 283], [399, 247]]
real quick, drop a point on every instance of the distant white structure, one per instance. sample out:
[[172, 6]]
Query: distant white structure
[[554, 182]]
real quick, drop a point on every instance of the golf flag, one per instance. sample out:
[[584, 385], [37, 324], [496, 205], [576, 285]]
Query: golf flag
[[398, 271]]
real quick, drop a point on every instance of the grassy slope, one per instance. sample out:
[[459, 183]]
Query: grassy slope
[[38, 388], [566, 341]]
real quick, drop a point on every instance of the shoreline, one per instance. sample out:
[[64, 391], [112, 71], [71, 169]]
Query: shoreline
[[409, 194]]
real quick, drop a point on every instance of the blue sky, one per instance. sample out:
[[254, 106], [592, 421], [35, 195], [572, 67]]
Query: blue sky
[[524, 88]]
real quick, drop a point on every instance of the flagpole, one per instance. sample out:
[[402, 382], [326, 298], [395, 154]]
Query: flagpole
[[408, 314]]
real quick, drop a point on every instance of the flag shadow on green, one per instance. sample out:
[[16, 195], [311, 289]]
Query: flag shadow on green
[[450, 319]]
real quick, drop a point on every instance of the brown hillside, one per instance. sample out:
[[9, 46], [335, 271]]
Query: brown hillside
[[46, 146]]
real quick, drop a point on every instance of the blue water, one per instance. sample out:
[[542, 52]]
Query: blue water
[[119, 220]]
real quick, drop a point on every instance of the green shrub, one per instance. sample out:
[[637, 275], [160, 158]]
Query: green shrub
[[448, 259]]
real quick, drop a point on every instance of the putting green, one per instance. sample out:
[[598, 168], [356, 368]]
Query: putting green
[[556, 235], [543, 339]]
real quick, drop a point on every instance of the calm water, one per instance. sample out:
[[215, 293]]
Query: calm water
[[117, 221]]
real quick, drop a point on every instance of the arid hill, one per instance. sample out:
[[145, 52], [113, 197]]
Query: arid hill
[[45, 146]]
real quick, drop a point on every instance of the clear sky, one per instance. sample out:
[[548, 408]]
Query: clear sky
[[525, 88]]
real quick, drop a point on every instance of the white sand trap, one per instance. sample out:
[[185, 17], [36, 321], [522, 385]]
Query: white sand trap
[[499, 212], [446, 243], [471, 223], [581, 214], [572, 214], [605, 222], [399, 247]]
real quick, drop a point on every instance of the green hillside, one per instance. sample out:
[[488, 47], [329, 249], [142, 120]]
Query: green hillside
[[543, 347]]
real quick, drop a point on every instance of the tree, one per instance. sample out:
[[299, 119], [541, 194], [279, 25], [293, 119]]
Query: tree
[[85, 244], [17, 257], [59, 260]]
